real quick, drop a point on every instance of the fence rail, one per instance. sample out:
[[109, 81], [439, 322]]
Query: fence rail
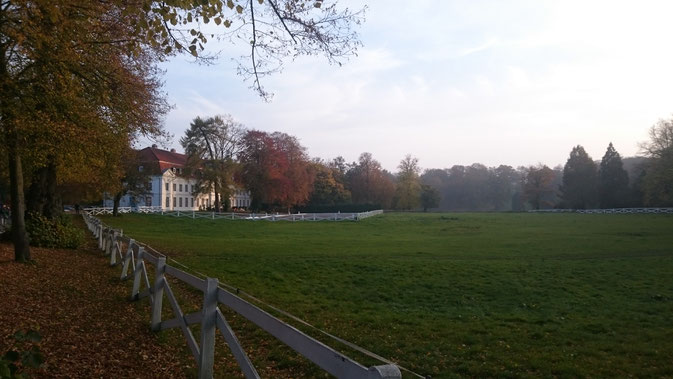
[[337, 216], [134, 257], [606, 211]]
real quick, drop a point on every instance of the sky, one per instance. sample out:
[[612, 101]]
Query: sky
[[458, 82]]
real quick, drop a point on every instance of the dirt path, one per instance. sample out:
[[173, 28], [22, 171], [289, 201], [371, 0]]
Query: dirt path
[[89, 328]]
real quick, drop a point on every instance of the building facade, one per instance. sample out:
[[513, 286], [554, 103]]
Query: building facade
[[169, 188]]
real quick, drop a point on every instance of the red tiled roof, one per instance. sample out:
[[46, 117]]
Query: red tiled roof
[[163, 158]]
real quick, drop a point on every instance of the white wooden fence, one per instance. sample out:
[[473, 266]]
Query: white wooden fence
[[338, 216], [134, 257], [606, 211]]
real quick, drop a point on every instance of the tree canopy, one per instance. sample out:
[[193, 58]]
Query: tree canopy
[[579, 188], [613, 180]]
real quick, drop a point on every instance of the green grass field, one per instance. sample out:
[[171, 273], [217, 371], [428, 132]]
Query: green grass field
[[459, 294]]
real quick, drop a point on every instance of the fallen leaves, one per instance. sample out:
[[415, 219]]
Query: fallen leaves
[[89, 329]]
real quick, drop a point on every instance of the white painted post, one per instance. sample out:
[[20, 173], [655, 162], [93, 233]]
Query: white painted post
[[192, 214], [114, 249], [136, 274], [208, 324], [158, 293], [127, 259], [232, 215], [213, 215], [178, 213]]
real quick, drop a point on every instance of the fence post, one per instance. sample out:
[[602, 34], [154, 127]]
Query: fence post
[[114, 249], [208, 323], [192, 214], [127, 259], [213, 215], [108, 243], [158, 293], [100, 236], [137, 272]]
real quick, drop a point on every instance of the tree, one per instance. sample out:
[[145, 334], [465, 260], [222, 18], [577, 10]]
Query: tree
[[429, 197], [296, 187], [657, 183], [70, 88], [369, 183], [503, 181], [613, 180], [538, 186], [134, 180], [579, 188], [275, 169], [328, 187], [211, 146], [408, 189], [437, 179]]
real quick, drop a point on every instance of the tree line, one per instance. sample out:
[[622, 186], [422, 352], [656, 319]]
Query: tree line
[[280, 176], [582, 183]]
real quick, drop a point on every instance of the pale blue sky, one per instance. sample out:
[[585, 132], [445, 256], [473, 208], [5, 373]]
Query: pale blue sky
[[458, 82]]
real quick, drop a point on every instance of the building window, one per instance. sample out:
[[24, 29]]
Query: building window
[[180, 199], [168, 202], [180, 187], [140, 168], [192, 188], [175, 187], [192, 202], [149, 186], [166, 186], [174, 202]]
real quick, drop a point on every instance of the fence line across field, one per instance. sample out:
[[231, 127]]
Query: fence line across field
[[134, 257], [333, 216], [606, 211]]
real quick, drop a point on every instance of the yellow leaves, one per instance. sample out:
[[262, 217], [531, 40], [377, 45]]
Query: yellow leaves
[[239, 9], [230, 4], [217, 20]]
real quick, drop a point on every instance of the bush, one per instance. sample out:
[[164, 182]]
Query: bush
[[56, 233]]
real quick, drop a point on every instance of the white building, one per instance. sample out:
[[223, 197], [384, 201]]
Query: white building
[[169, 189]]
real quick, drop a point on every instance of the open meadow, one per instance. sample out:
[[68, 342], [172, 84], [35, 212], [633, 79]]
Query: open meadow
[[455, 294]]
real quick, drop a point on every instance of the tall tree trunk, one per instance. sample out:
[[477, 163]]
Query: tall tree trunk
[[115, 204], [42, 196], [19, 235], [52, 207], [217, 197], [35, 196]]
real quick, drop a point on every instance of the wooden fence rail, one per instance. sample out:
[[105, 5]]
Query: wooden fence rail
[[134, 258], [335, 216]]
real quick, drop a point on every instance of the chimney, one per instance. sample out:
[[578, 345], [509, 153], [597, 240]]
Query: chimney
[[172, 150], [154, 145]]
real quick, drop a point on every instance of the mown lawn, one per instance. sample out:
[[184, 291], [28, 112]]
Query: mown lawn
[[459, 294]]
